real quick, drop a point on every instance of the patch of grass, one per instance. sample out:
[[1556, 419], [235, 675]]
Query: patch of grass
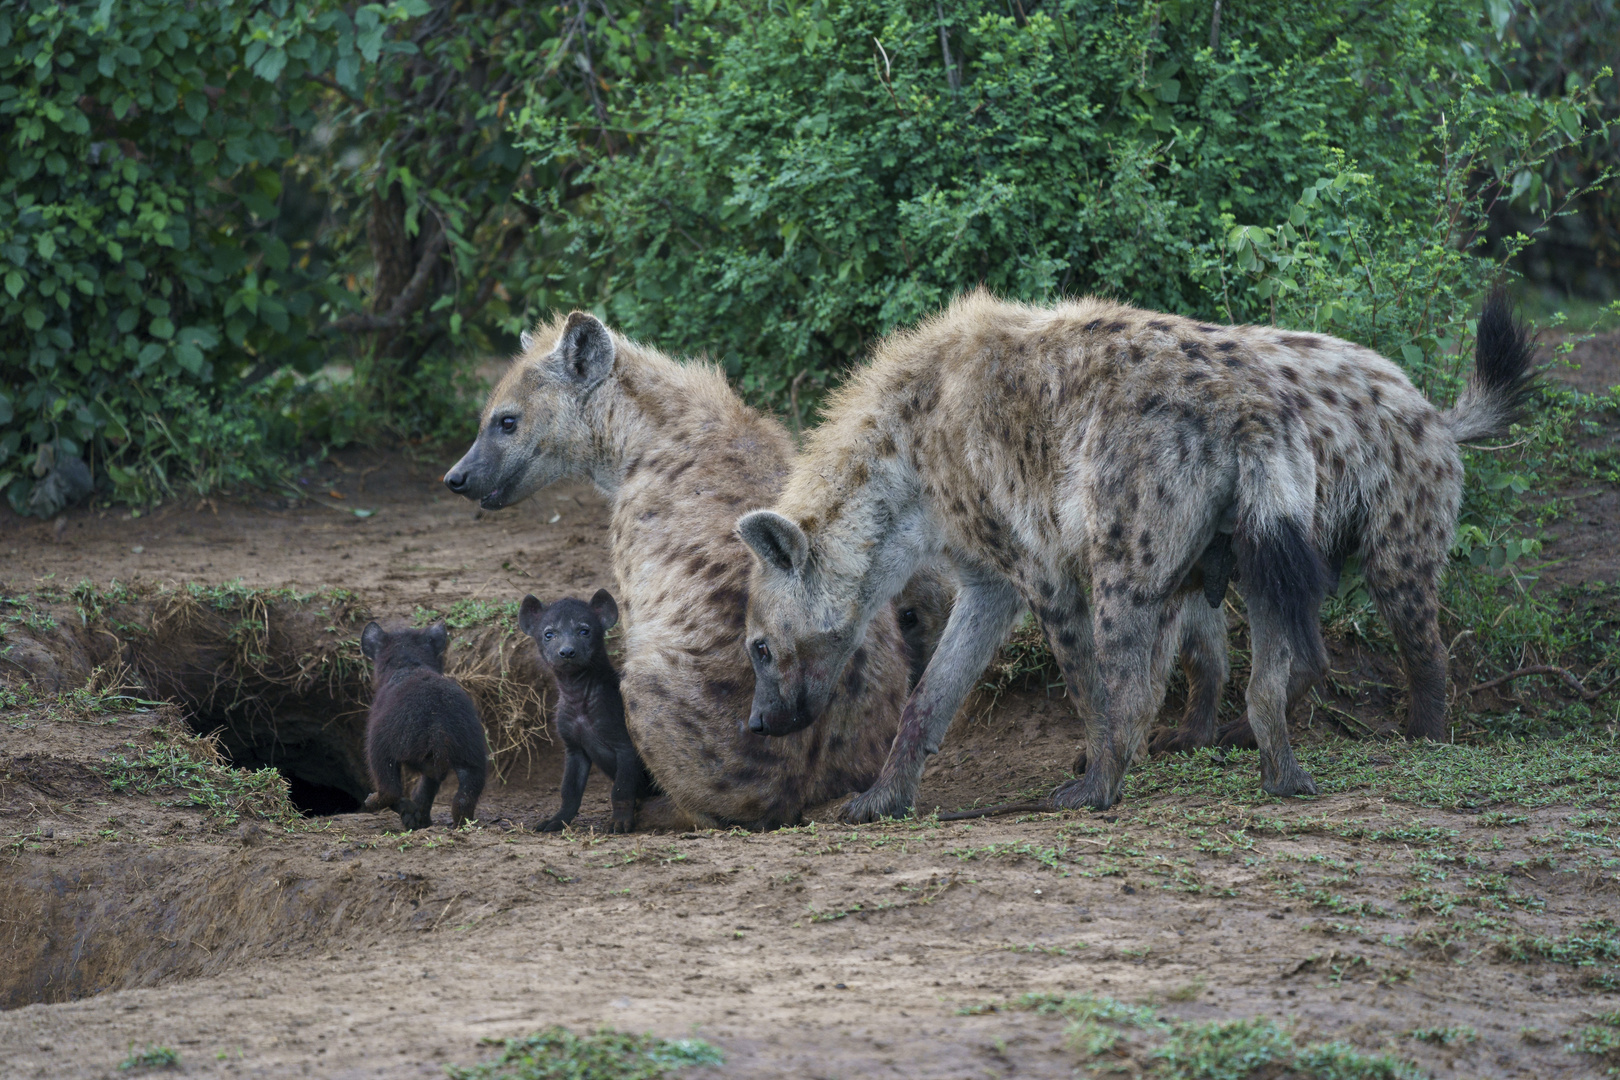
[[1136, 1039], [558, 1054], [193, 766], [1580, 770], [153, 1057]]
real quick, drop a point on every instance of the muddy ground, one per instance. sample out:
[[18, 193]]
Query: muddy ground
[[1482, 918]]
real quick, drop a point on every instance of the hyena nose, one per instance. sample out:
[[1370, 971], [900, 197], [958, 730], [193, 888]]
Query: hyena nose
[[566, 650], [756, 724], [455, 481]]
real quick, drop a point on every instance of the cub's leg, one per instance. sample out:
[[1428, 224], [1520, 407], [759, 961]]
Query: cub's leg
[[576, 767], [417, 813], [385, 774], [986, 610], [469, 787]]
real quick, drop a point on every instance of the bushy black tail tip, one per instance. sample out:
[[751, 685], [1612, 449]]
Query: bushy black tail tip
[[1503, 352]]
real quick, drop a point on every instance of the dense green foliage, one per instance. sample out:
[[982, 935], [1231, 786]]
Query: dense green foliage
[[811, 180]]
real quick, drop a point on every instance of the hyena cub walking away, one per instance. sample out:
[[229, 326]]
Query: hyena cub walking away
[[1091, 461], [572, 637], [422, 720]]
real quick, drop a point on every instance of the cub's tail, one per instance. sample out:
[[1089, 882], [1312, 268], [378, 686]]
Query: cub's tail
[[1502, 378]]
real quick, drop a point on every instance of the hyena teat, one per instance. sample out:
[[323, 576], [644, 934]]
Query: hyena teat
[[572, 636], [421, 719]]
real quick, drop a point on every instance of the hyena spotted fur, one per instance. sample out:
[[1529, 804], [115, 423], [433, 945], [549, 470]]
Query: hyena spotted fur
[[1096, 462], [680, 456]]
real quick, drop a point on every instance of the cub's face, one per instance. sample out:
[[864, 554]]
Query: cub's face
[[534, 431]]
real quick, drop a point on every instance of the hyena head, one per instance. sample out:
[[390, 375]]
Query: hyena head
[[411, 647], [799, 637], [535, 429]]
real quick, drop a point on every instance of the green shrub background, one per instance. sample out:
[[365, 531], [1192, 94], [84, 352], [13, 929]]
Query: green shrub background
[[233, 234]]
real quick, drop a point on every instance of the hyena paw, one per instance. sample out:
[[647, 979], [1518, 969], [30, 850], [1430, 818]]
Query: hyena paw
[[1179, 741], [1288, 780], [622, 824], [1090, 791], [877, 803], [1237, 734], [413, 819], [375, 802], [555, 823]]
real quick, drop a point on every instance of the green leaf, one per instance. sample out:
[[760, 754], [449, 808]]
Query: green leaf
[[14, 284], [33, 317], [161, 328], [46, 245]]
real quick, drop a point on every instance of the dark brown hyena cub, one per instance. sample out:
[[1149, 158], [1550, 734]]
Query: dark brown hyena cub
[[590, 711], [421, 719]]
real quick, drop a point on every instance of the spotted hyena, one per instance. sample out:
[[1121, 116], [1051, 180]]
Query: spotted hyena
[[1095, 462], [681, 456]]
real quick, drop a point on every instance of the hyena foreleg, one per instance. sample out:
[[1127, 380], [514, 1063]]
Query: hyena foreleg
[[986, 610]]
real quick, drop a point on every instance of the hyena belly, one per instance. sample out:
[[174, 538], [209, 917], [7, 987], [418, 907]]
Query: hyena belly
[[687, 680]]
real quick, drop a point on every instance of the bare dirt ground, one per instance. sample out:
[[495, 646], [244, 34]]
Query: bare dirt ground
[[1403, 900]]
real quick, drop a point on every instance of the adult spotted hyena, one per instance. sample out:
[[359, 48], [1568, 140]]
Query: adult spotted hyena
[[681, 456], [1092, 461]]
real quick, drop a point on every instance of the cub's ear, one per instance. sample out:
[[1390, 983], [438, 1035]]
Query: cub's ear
[[776, 540], [585, 350], [529, 615], [439, 638], [525, 341], [606, 610], [371, 639]]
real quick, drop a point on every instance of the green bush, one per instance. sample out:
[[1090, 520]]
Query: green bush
[[816, 178]]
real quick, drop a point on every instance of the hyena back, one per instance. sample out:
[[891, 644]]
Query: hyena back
[[681, 456], [1087, 460]]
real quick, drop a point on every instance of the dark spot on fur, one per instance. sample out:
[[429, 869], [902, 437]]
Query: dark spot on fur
[[1114, 327], [1300, 342]]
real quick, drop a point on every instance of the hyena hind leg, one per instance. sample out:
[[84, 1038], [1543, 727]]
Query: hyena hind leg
[[1409, 602], [1204, 661]]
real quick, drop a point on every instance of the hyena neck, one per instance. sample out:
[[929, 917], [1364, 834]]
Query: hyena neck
[[648, 402], [856, 493]]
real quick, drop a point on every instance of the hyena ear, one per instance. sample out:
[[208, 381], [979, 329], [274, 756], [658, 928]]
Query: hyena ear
[[526, 341], [529, 615], [371, 639], [439, 638], [775, 539], [605, 607], [585, 350]]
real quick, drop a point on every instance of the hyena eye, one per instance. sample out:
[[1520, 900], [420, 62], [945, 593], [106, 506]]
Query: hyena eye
[[509, 424], [584, 631], [548, 635], [763, 651], [908, 619]]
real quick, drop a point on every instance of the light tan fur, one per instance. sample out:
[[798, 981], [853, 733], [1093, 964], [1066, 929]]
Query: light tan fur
[[681, 456], [1082, 459]]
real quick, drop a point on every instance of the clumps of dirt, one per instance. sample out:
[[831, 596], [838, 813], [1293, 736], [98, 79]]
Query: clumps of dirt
[[278, 675]]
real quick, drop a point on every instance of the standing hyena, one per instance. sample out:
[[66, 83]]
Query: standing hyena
[[681, 456], [1092, 461]]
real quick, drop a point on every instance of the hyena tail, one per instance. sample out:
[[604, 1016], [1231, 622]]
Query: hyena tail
[[1284, 577], [1502, 377]]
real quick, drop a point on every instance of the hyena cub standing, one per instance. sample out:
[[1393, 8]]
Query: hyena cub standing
[[572, 636], [423, 720], [681, 456], [1083, 460]]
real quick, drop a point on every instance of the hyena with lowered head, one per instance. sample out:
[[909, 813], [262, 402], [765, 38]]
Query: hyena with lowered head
[[681, 456], [1085, 459]]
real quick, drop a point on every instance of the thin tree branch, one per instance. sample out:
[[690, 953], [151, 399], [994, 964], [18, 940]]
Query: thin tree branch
[[409, 299], [1564, 674]]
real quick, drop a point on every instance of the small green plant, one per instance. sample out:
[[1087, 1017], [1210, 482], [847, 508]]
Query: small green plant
[[558, 1054], [1445, 1036], [193, 766], [152, 1057]]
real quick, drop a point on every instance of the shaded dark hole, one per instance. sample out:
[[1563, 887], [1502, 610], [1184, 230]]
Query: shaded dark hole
[[318, 800]]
